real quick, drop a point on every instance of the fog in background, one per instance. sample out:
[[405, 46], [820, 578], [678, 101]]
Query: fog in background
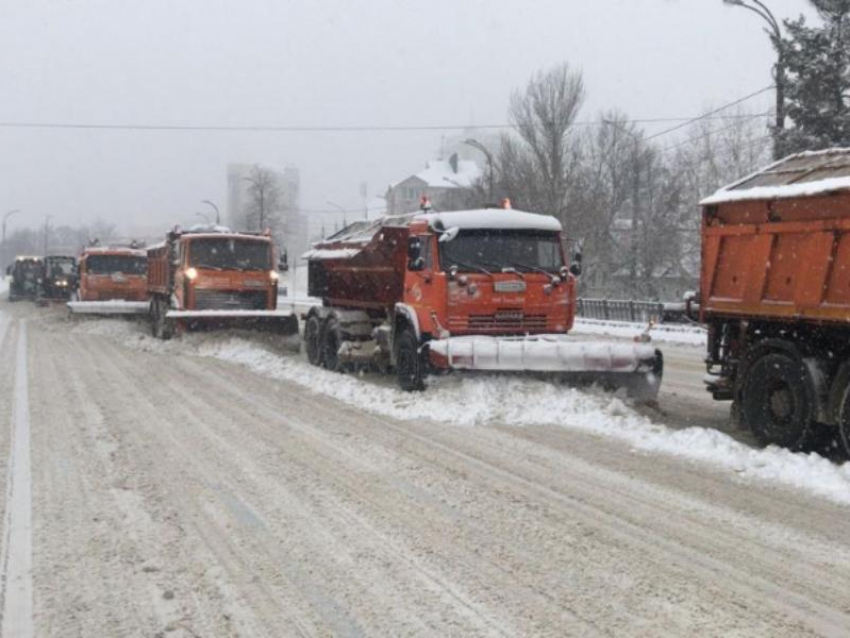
[[323, 63]]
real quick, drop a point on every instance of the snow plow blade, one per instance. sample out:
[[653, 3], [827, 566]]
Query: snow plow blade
[[636, 368], [116, 307], [283, 321]]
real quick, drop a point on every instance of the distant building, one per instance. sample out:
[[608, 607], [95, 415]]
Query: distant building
[[293, 234], [448, 183]]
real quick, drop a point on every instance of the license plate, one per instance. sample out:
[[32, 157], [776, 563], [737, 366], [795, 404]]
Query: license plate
[[509, 286]]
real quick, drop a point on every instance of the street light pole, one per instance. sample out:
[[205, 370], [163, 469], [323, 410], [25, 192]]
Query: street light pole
[[5, 217], [480, 147], [46, 232], [205, 217], [215, 208], [774, 32]]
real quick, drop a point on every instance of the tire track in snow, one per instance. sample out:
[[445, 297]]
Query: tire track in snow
[[17, 618]]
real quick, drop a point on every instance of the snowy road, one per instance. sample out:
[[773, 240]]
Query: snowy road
[[179, 495]]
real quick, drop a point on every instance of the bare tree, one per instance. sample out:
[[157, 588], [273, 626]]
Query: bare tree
[[264, 203], [537, 166]]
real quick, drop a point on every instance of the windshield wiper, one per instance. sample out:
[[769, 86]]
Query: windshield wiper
[[535, 269], [455, 262], [209, 267]]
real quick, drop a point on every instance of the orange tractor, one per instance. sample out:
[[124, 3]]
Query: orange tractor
[[210, 276], [487, 290]]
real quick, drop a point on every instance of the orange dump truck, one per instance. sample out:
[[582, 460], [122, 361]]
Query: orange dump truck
[[210, 276], [775, 296], [486, 290], [112, 280]]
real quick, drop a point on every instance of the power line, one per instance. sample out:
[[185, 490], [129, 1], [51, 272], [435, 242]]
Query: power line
[[224, 128], [711, 113], [715, 131]]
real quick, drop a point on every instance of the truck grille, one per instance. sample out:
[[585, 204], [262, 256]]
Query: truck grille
[[503, 321], [230, 300]]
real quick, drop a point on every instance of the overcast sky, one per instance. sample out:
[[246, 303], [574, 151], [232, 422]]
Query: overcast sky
[[322, 63]]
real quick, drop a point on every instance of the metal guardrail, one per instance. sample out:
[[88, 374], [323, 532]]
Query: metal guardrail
[[630, 310]]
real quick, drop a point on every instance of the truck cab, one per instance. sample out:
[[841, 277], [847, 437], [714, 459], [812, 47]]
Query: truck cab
[[212, 275], [112, 274], [27, 274], [60, 276]]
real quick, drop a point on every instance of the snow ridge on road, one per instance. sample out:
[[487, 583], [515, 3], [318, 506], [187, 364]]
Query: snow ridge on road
[[468, 400], [17, 618]]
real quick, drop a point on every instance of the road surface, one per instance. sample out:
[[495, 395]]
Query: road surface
[[180, 496]]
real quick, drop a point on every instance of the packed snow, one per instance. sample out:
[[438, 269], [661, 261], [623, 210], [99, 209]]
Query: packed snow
[[660, 333], [479, 400]]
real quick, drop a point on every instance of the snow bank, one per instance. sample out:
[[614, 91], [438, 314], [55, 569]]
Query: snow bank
[[513, 400], [662, 333]]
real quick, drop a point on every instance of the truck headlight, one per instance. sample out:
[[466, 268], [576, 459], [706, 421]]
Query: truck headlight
[[191, 274], [274, 275]]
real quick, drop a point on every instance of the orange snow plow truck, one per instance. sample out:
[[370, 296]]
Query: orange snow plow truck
[[484, 290], [112, 281], [210, 276], [775, 296]]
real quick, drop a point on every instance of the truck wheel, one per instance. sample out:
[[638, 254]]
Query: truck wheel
[[163, 326], [331, 341], [409, 366], [844, 421], [312, 343], [778, 401]]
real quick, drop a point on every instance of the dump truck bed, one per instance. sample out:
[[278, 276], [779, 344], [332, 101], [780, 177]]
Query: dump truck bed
[[776, 245]]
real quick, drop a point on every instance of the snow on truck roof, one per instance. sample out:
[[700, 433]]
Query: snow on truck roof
[[114, 250], [348, 241], [495, 218], [802, 175]]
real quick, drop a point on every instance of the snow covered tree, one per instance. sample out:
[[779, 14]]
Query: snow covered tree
[[817, 61]]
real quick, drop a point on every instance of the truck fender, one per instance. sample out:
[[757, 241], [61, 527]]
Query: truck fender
[[409, 314]]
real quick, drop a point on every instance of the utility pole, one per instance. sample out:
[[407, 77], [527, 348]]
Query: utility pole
[[46, 233], [3, 244], [774, 32]]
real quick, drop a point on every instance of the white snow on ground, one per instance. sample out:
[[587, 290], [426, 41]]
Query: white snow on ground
[[512, 400], [661, 333]]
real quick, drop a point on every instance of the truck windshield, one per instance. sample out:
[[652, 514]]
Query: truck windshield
[[109, 264], [230, 254], [495, 249], [63, 266]]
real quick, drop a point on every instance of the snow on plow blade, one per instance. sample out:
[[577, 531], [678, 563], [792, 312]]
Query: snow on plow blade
[[636, 368], [282, 321], [229, 314], [114, 307]]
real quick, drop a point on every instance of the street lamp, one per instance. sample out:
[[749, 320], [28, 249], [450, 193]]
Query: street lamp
[[215, 208], [5, 217], [344, 221], [480, 147], [774, 32]]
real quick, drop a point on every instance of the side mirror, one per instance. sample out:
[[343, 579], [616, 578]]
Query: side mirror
[[575, 267], [414, 254]]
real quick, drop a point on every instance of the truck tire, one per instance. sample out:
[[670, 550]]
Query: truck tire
[[330, 342], [312, 340], [409, 366], [844, 421], [778, 401], [163, 327]]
